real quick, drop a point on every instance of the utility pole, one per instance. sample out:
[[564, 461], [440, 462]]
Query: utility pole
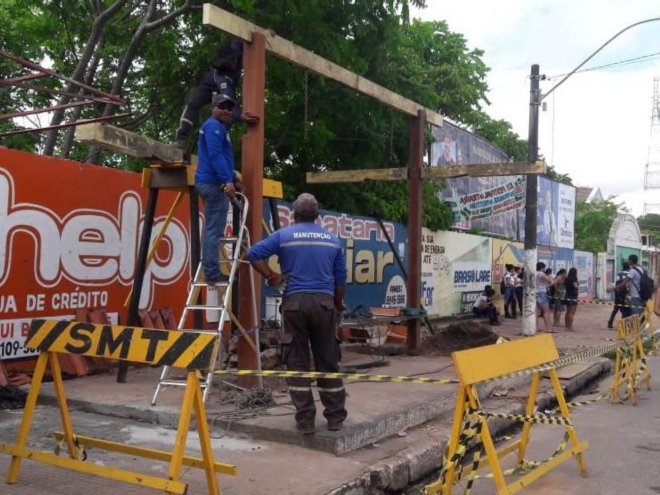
[[531, 206]]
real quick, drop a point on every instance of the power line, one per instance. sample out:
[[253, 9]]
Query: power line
[[635, 60]]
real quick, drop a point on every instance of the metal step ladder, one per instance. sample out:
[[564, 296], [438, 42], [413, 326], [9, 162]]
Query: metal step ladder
[[233, 250]]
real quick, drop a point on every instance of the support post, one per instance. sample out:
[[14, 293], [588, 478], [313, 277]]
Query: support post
[[140, 266], [531, 206], [195, 248], [415, 223], [254, 84]]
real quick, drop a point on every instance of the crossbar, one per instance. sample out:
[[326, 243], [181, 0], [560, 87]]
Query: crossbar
[[491, 361], [297, 55]]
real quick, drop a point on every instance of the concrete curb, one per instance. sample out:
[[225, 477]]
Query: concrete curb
[[424, 459]]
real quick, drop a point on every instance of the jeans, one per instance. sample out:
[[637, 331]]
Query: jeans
[[637, 308], [216, 206]]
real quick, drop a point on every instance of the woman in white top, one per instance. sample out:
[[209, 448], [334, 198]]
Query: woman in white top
[[543, 283]]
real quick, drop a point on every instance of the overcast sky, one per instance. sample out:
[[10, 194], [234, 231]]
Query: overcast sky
[[597, 124]]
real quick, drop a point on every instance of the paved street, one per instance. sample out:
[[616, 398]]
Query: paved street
[[624, 453]]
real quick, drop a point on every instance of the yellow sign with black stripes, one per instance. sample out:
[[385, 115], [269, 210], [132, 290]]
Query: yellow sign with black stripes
[[192, 350]]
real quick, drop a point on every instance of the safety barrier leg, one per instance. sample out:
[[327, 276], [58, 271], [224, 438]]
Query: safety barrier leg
[[26, 421]]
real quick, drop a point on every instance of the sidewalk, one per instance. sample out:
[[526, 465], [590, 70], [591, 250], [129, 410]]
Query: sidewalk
[[395, 433]]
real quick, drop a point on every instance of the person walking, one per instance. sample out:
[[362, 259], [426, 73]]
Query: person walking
[[215, 181], [572, 291], [314, 268], [509, 292], [620, 290], [483, 306], [543, 283], [559, 296], [634, 280], [520, 287]]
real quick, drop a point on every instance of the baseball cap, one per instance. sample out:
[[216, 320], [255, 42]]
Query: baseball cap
[[223, 100]]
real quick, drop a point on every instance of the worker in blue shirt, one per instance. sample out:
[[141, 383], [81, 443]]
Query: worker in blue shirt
[[215, 180], [314, 267]]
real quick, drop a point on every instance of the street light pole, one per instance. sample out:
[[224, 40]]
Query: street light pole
[[531, 202], [529, 308]]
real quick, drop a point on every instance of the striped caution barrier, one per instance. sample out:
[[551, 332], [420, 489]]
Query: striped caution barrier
[[362, 377]]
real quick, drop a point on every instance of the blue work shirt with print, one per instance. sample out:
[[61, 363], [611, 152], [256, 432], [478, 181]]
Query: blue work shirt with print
[[215, 157], [309, 255]]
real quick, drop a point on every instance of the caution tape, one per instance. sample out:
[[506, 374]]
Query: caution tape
[[539, 418], [363, 377], [564, 361], [563, 300]]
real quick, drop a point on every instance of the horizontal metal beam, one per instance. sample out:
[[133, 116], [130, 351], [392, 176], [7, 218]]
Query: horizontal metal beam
[[280, 47], [444, 172]]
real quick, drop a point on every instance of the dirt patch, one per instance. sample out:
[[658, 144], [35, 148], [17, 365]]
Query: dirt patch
[[457, 337]]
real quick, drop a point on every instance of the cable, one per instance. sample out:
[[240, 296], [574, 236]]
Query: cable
[[628, 61]]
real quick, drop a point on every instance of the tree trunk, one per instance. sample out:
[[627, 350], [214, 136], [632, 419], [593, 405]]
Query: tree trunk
[[97, 30], [146, 26], [89, 77]]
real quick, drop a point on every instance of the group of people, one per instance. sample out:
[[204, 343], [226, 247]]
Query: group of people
[[628, 297], [556, 295], [310, 257]]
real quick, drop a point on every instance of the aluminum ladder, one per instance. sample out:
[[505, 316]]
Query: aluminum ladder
[[233, 251]]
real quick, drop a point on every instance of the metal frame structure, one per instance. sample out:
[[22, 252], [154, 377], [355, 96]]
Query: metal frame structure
[[38, 72]]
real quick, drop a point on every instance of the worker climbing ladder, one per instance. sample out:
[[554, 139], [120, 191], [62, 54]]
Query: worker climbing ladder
[[218, 300]]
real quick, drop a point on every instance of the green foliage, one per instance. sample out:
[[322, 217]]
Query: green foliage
[[423, 61], [650, 223], [592, 225], [552, 174]]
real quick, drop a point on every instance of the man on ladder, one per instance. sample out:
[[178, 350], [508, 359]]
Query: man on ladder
[[215, 180], [314, 272]]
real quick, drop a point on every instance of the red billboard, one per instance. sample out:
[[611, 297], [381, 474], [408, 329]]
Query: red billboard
[[69, 235]]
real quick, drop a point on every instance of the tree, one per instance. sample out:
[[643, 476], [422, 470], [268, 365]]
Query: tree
[[650, 223], [592, 225]]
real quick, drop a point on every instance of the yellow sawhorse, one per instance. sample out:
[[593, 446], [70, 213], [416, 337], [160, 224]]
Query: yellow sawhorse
[[630, 368], [470, 425], [190, 350]]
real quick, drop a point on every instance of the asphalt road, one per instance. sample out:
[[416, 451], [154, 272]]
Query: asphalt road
[[623, 456]]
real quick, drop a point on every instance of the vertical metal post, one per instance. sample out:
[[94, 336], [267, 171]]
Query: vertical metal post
[[531, 206], [414, 283], [194, 248], [254, 85], [140, 266]]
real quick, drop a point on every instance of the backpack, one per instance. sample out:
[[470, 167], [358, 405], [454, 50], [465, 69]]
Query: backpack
[[646, 285]]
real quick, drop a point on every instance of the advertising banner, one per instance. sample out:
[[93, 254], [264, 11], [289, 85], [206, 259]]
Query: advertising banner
[[373, 276], [555, 214], [492, 204], [555, 258], [505, 253], [69, 235], [584, 263], [455, 269]]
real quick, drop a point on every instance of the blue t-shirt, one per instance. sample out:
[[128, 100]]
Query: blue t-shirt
[[215, 157], [309, 255]]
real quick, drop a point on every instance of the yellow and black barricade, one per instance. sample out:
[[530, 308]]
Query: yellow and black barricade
[[191, 350], [630, 368], [470, 432]]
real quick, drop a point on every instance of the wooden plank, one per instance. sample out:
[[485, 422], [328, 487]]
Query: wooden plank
[[127, 142], [444, 172], [364, 175], [484, 170], [306, 59]]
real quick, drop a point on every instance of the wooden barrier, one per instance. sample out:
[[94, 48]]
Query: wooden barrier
[[470, 427], [190, 350]]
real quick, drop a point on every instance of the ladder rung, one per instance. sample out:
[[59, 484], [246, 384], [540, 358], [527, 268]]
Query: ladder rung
[[203, 307], [204, 284]]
